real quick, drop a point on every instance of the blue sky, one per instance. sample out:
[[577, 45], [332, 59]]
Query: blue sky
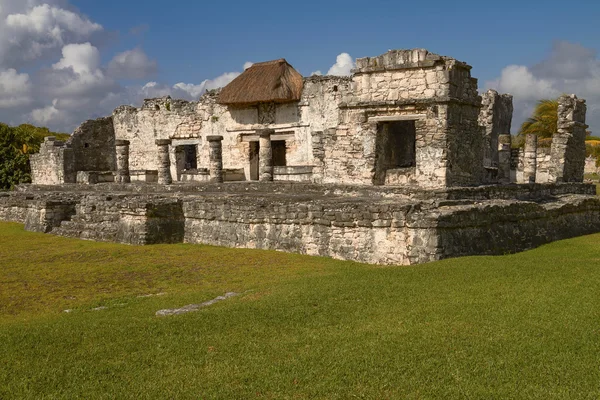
[[122, 51]]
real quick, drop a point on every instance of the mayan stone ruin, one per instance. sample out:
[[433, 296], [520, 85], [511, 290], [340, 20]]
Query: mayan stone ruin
[[403, 162]]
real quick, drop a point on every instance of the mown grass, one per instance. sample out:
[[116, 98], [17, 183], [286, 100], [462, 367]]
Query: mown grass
[[516, 326]]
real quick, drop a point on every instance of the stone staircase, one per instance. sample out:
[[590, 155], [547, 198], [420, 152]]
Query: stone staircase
[[95, 218]]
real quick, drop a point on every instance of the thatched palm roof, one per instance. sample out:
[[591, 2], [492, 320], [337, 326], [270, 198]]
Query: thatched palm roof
[[271, 81]]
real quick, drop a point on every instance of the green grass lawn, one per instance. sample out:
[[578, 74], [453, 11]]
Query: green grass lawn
[[517, 326]]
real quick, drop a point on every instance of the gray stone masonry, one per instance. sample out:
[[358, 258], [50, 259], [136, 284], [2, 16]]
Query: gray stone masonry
[[396, 164], [389, 226], [504, 153], [265, 155], [93, 144], [122, 149], [54, 164], [567, 161], [495, 118], [530, 160], [164, 162], [215, 158]]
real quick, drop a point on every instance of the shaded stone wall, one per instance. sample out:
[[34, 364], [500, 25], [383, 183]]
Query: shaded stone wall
[[93, 144], [568, 144], [495, 118]]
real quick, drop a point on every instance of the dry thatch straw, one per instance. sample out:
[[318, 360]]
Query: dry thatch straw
[[271, 81]]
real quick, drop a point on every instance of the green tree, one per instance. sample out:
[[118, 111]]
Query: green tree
[[544, 120]]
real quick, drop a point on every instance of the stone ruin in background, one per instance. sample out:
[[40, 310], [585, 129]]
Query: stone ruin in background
[[403, 162]]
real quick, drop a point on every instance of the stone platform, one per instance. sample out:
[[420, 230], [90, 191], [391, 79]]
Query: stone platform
[[379, 225]]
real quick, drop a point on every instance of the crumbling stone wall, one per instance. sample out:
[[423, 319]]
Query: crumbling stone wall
[[54, 164], [568, 144], [183, 121], [495, 118], [91, 147], [93, 144], [385, 226]]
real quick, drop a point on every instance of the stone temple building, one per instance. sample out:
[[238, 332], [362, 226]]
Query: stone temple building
[[402, 162]]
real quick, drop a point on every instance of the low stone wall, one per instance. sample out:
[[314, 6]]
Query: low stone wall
[[500, 227], [351, 223], [350, 230]]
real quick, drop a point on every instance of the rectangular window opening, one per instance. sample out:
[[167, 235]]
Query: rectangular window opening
[[399, 145]]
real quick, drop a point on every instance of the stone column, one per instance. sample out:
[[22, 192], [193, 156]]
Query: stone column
[[265, 155], [215, 155], [122, 149], [504, 152], [567, 155], [530, 158], [164, 162]]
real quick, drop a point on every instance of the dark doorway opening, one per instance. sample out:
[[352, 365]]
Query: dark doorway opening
[[190, 156], [279, 153], [186, 158]]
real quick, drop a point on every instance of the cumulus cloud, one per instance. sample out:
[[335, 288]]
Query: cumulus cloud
[[32, 29], [248, 64], [52, 74], [343, 65], [15, 89], [568, 68], [81, 58], [519, 81], [195, 91], [132, 64]]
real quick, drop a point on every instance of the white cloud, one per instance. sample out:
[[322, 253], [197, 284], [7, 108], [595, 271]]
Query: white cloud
[[32, 29], [15, 89], [343, 65], [47, 116], [82, 58], [195, 91], [51, 71], [520, 82], [568, 68], [248, 64], [317, 72], [132, 64]]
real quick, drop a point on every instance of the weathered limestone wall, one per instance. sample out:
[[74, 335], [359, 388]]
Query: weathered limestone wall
[[90, 148], [401, 75], [54, 164], [495, 118], [162, 118], [354, 223], [568, 144], [509, 226], [362, 232], [191, 122]]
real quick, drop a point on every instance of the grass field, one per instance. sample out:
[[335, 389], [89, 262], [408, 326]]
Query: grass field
[[516, 326]]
